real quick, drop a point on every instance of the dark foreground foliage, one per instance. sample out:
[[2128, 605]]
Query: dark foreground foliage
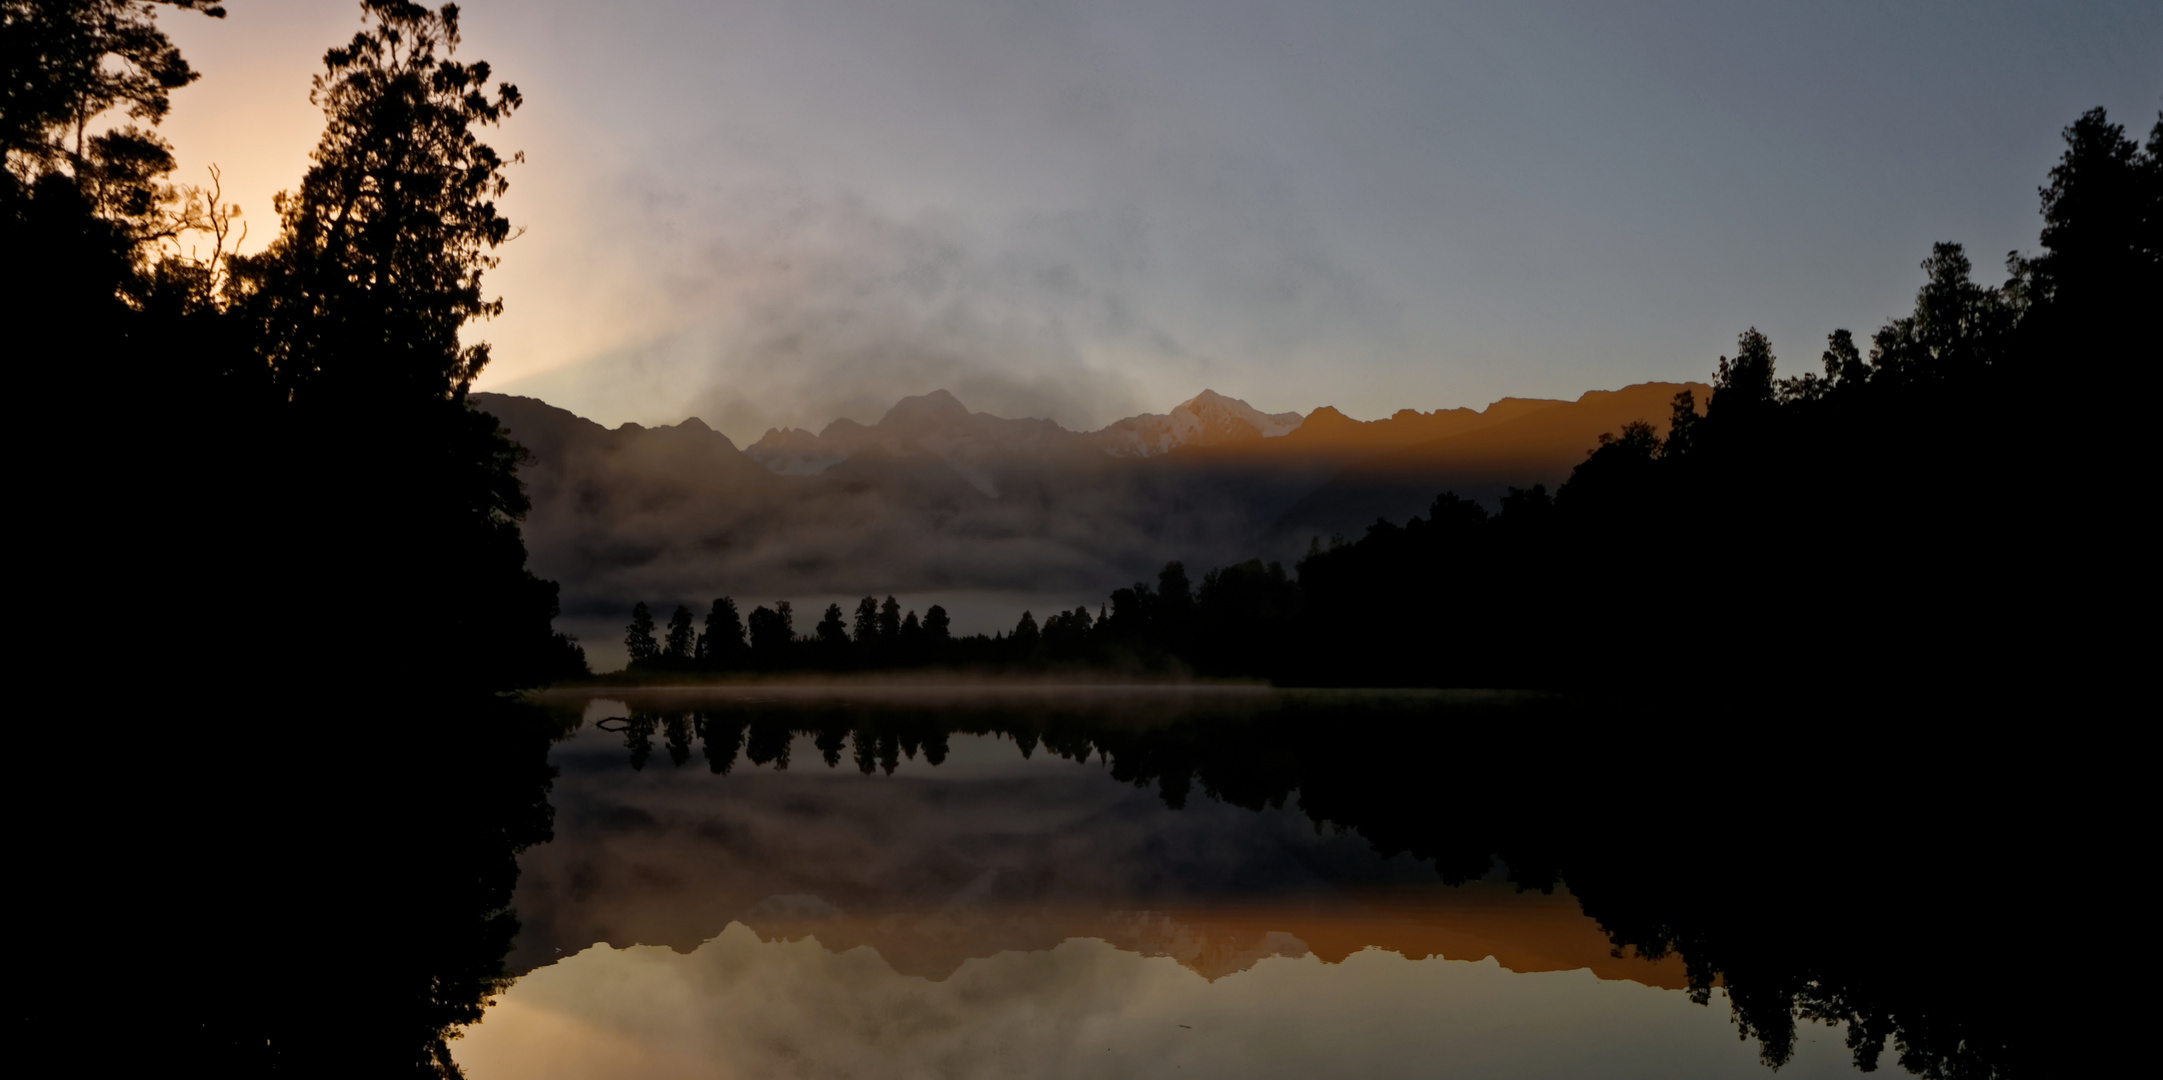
[[267, 466], [302, 904]]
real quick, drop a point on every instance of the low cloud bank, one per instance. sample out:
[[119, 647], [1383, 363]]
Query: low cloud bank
[[951, 506]]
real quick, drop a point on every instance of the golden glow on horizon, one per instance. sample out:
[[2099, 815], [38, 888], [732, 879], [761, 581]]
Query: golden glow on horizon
[[249, 116], [249, 113]]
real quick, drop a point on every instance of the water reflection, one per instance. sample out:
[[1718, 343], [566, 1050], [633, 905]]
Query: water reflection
[[740, 1005], [1246, 835], [325, 895]]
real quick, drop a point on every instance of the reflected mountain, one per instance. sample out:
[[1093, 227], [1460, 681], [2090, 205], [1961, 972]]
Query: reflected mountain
[[933, 868], [938, 828], [1521, 931]]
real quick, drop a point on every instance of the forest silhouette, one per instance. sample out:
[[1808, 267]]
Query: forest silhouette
[[292, 489], [291, 464], [1866, 520]]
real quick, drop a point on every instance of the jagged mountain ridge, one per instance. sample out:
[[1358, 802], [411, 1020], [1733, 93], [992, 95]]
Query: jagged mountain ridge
[[977, 445], [937, 499], [1206, 419]]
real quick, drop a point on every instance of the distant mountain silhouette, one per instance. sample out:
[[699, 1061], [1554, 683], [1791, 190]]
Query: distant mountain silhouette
[[934, 496], [980, 446]]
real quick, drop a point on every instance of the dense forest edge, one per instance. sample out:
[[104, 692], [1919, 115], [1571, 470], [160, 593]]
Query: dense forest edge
[[287, 484], [1873, 520]]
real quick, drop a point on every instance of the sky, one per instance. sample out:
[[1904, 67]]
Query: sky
[[779, 212]]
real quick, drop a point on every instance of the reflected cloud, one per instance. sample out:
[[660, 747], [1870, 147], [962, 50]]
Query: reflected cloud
[[813, 309]]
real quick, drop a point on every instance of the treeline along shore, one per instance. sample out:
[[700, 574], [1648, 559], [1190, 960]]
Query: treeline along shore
[[1935, 510]]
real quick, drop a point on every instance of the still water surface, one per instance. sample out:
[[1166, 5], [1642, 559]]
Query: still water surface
[[986, 883]]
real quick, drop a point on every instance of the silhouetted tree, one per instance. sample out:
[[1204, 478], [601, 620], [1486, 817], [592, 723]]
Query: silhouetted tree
[[69, 63], [681, 636], [772, 631], [769, 737], [1844, 366], [354, 315], [2091, 294], [910, 645], [1618, 478], [568, 658], [1845, 373], [88, 213], [722, 643], [388, 234], [638, 732], [1958, 327], [1173, 617], [890, 621], [1133, 612], [1066, 634], [937, 627], [676, 735], [638, 636], [721, 736], [1529, 503], [1024, 643], [832, 630], [867, 621], [1742, 388]]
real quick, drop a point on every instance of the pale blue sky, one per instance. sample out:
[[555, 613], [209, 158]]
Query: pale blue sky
[[779, 212]]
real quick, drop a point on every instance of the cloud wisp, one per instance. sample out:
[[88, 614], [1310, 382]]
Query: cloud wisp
[[822, 309]]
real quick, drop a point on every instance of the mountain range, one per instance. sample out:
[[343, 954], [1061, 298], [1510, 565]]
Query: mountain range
[[935, 498], [976, 445]]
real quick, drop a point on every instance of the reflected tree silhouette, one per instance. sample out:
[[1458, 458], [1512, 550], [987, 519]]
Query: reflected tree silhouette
[[768, 741], [677, 725], [638, 729], [721, 737], [1888, 933]]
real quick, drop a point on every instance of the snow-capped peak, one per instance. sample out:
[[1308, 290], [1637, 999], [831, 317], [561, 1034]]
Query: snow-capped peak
[[1205, 419]]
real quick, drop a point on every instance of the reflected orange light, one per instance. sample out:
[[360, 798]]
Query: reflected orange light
[[1522, 931]]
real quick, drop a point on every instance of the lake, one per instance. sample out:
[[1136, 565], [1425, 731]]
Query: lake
[[1203, 881]]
